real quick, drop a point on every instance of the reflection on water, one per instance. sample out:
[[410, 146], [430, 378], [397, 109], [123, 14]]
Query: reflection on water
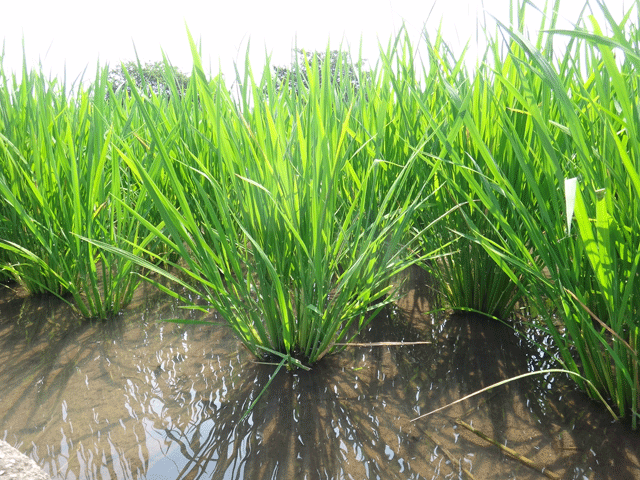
[[135, 397]]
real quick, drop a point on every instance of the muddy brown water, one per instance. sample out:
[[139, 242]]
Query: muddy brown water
[[137, 397]]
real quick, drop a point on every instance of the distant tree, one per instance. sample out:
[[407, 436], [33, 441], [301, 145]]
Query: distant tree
[[153, 77], [344, 72]]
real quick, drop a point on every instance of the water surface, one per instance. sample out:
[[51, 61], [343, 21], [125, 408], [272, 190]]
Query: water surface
[[137, 397]]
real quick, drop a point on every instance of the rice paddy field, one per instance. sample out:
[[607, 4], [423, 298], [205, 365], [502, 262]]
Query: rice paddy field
[[280, 222]]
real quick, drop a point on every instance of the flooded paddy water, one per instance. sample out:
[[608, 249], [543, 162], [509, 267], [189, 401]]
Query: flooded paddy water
[[136, 397]]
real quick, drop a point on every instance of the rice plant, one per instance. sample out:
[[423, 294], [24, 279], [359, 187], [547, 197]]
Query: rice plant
[[60, 179], [415, 106], [570, 157], [278, 234]]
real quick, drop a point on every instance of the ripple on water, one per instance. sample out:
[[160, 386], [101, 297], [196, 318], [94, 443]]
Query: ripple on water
[[134, 397]]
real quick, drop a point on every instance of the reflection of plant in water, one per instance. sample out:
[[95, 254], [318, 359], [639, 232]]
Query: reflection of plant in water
[[195, 416], [356, 406], [168, 398], [281, 438]]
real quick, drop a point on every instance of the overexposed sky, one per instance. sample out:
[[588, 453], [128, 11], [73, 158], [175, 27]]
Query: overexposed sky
[[76, 34]]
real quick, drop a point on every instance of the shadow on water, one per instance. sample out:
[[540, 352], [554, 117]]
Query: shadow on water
[[135, 397]]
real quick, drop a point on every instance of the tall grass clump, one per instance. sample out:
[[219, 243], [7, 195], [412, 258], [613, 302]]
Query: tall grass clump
[[62, 179], [549, 176], [278, 234], [411, 103]]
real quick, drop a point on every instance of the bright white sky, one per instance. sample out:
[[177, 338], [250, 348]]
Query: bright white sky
[[78, 33]]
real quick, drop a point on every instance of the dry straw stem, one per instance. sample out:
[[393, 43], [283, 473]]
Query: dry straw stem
[[510, 452], [508, 380]]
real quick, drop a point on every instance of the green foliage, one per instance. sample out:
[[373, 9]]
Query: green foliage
[[159, 78], [517, 132], [405, 112], [61, 179], [277, 233], [342, 73]]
